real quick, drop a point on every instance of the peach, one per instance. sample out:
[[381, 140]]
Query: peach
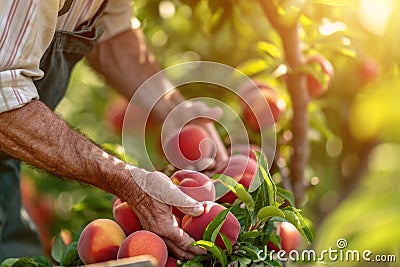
[[100, 241], [290, 237], [125, 217], [171, 262], [315, 88], [115, 113], [195, 226], [190, 145], [369, 70], [260, 113], [144, 243], [241, 168], [195, 184]]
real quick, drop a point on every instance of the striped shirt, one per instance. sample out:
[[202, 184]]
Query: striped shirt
[[26, 30]]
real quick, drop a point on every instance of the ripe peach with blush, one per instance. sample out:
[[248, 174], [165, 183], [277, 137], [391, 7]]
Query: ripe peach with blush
[[188, 146], [144, 243], [195, 226], [368, 70], [195, 184], [171, 262], [261, 105], [290, 237], [125, 217], [241, 168], [315, 87], [100, 241]]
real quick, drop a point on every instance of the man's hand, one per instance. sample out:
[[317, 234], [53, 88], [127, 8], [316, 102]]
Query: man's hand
[[153, 208]]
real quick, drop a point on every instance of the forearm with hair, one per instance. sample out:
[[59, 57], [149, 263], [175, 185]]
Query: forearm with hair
[[125, 61], [36, 135]]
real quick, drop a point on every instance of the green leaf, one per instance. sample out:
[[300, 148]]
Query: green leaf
[[277, 219], [276, 240], [294, 217], [196, 261], [262, 187], [238, 189], [42, 261], [192, 264], [58, 248], [21, 262], [244, 261], [9, 262], [253, 67], [212, 229], [268, 212], [227, 243], [70, 256], [285, 194], [249, 236], [270, 49], [273, 263], [307, 233], [333, 2], [249, 251], [214, 249]]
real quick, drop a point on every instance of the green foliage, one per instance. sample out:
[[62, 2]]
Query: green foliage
[[58, 248], [70, 256], [257, 222], [38, 261]]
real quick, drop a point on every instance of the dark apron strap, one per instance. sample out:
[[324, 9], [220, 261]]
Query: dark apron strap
[[65, 8], [65, 50], [18, 236]]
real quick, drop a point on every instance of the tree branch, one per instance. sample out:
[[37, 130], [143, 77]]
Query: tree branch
[[297, 87]]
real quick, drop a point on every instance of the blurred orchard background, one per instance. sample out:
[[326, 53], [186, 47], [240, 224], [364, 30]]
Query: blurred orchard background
[[353, 172]]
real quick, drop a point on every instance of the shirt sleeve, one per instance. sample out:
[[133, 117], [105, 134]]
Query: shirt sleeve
[[26, 29], [116, 18]]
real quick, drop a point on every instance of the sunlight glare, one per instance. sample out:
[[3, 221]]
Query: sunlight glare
[[374, 14]]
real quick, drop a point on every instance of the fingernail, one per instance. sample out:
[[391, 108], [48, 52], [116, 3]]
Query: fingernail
[[198, 209]]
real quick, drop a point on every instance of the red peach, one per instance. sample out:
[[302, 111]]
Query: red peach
[[171, 262], [100, 241], [125, 217], [195, 184], [188, 146], [315, 88], [264, 107], [290, 237], [115, 113], [195, 226], [242, 168], [368, 70], [144, 243]]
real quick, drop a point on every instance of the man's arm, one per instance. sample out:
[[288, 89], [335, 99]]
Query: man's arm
[[34, 134]]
